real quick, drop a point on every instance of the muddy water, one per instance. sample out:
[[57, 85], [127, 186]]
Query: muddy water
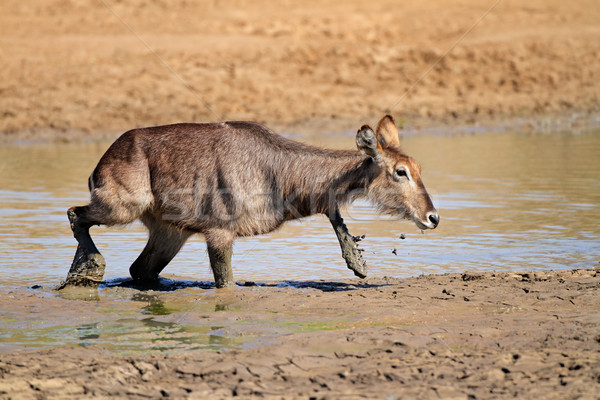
[[508, 201]]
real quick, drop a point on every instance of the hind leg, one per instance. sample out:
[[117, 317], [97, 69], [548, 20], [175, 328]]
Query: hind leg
[[88, 265], [110, 205], [219, 244], [164, 242]]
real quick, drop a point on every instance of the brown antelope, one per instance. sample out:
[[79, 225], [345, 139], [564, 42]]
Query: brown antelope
[[232, 179]]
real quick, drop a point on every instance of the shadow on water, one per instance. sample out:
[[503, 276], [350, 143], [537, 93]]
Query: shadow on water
[[169, 285], [160, 285], [326, 286]]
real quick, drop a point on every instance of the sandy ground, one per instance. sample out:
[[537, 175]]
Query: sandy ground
[[455, 336], [81, 69]]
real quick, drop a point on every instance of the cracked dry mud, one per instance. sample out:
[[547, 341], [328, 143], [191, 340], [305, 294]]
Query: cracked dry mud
[[464, 336]]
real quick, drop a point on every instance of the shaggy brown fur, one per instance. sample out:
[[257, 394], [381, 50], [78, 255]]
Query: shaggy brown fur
[[233, 179]]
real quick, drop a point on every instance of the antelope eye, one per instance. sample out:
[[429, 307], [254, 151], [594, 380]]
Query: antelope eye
[[400, 172]]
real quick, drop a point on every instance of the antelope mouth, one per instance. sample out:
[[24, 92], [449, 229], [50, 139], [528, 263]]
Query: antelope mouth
[[432, 221]]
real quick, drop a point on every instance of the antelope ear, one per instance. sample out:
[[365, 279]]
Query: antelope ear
[[366, 141], [387, 132]]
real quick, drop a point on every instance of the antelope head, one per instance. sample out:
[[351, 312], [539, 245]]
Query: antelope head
[[397, 188]]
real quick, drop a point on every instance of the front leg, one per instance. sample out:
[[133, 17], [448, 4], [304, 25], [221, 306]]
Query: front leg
[[220, 248], [88, 264], [350, 251]]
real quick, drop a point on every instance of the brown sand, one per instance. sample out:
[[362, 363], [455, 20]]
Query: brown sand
[[469, 336], [73, 69]]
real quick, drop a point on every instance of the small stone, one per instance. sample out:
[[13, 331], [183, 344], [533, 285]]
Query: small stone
[[471, 277]]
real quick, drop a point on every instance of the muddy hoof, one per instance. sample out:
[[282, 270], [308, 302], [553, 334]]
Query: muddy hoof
[[224, 284], [360, 272], [87, 270], [79, 281]]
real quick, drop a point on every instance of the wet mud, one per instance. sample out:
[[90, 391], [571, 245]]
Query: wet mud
[[463, 336]]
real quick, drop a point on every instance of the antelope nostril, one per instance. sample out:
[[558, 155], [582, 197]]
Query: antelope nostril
[[434, 219]]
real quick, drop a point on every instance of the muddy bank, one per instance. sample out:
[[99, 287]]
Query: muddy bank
[[80, 70], [464, 336]]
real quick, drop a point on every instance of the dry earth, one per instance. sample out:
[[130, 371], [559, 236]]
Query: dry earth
[[469, 336], [90, 68]]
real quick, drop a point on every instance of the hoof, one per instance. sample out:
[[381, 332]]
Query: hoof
[[142, 275], [224, 284], [359, 270], [79, 281], [87, 270], [146, 283]]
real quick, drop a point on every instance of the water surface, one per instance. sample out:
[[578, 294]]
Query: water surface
[[508, 201]]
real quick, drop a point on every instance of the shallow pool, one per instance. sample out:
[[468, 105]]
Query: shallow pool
[[508, 201]]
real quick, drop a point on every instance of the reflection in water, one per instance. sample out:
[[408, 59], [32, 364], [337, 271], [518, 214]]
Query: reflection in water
[[80, 293], [155, 305], [88, 331], [507, 201], [137, 332], [132, 334]]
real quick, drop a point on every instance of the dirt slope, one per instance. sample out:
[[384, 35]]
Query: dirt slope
[[82, 68]]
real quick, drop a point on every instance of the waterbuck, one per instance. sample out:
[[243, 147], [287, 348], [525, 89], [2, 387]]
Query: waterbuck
[[232, 179]]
